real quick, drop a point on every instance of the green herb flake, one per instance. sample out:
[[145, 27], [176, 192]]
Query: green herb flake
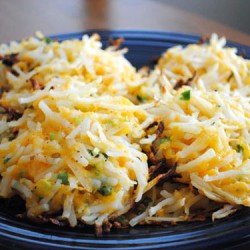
[[231, 76], [47, 40], [218, 106], [240, 179], [239, 148], [105, 156], [185, 96], [146, 201], [12, 137], [22, 174], [164, 139], [6, 160], [141, 99], [105, 190], [30, 107], [90, 152], [64, 177], [97, 172], [52, 136]]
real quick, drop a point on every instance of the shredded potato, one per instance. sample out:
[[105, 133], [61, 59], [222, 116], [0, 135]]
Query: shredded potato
[[84, 135]]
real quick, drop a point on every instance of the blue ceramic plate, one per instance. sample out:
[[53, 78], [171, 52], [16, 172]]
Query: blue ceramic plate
[[230, 233]]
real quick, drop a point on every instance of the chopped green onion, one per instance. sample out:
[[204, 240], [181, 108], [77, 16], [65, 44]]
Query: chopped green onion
[[47, 40], [105, 190], [64, 178], [78, 120], [90, 151], [52, 136], [114, 122], [6, 160], [185, 96], [43, 187], [218, 106], [96, 151], [239, 148], [141, 99]]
